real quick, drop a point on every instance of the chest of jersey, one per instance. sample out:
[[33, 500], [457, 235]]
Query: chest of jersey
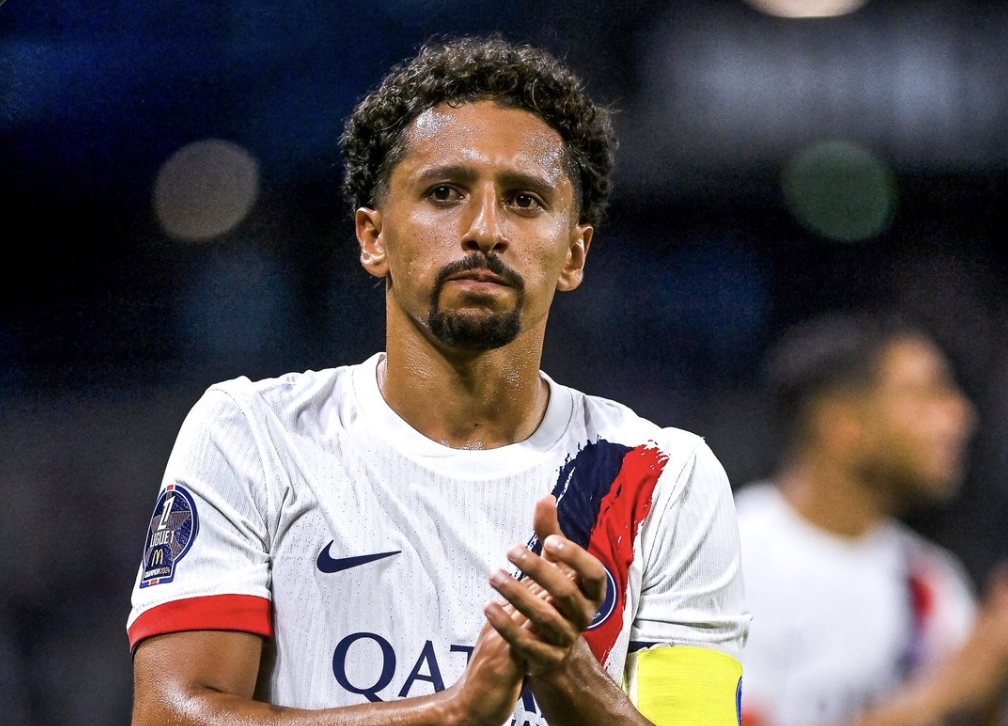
[[381, 566]]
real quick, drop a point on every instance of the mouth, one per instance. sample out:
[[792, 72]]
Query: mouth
[[479, 273], [479, 276]]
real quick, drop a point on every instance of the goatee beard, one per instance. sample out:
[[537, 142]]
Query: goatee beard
[[471, 331]]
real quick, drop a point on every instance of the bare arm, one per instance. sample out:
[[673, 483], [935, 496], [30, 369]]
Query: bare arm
[[202, 678]]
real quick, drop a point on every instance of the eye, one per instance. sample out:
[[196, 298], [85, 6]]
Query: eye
[[525, 201], [443, 193]]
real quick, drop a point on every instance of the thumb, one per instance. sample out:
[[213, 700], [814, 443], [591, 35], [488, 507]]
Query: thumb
[[544, 520]]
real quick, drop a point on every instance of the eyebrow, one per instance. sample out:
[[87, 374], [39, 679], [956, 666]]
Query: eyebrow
[[509, 178]]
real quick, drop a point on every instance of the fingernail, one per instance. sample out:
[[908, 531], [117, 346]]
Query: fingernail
[[498, 577], [517, 552], [554, 543]]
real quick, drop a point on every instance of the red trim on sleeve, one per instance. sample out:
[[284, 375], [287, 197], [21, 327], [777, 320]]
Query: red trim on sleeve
[[248, 613]]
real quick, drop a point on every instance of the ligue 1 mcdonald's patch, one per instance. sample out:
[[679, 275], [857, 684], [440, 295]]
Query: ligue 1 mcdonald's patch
[[173, 528]]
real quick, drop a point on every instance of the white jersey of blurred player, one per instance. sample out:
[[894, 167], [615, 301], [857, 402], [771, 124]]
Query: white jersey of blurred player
[[838, 623], [304, 509]]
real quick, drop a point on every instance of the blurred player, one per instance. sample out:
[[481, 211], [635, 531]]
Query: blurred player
[[348, 546], [857, 618]]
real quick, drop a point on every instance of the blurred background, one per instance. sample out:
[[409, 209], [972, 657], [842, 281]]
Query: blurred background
[[169, 180]]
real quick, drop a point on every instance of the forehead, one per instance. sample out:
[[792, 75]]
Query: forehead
[[910, 360], [486, 135]]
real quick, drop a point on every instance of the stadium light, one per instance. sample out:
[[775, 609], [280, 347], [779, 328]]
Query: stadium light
[[807, 8]]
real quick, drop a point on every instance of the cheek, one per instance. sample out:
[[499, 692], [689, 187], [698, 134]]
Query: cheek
[[541, 271], [551, 255], [420, 244], [922, 445]]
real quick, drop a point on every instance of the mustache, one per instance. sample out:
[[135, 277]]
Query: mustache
[[480, 261]]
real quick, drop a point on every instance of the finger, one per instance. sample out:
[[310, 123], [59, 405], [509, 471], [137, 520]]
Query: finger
[[590, 574], [492, 646], [548, 623], [563, 592], [537, 654], [510, 610], [544, 519]]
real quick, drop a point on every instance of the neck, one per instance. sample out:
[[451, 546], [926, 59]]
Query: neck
[[466, 399], [830, 498]]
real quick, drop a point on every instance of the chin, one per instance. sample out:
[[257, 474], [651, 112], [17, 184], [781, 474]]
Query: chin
[[474, 332], [944, 489]]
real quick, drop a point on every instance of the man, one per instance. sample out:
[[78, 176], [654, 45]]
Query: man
[[345, 546], [857, 619]]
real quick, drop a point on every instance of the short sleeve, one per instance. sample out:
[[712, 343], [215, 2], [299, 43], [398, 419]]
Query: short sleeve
[[205, 562], [692, 591]]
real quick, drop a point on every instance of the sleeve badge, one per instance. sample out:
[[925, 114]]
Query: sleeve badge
[[173, 527]]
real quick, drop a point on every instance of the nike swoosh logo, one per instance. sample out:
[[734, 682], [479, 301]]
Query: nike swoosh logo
[[329, 564]]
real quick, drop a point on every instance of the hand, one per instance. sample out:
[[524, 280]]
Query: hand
[[563, 589], [978, 674], [489, 687]]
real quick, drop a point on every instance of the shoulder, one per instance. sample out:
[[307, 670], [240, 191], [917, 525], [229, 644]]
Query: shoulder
[[278, 390], [288, 397], [240, 412], [682, 459], [759, 501], [618, 422]]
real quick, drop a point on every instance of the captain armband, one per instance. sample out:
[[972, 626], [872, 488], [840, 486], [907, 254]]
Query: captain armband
[[685, 686]]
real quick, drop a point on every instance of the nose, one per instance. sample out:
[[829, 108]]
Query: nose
[[954, 413], [485, 231], [963, 412]]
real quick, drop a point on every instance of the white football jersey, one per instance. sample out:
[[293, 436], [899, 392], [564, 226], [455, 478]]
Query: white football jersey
[[304, 509], [839, 623]]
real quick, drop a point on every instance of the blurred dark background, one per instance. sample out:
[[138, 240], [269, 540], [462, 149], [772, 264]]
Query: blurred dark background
[[169, 180]]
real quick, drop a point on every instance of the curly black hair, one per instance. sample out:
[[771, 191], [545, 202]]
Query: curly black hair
[[471, 69]]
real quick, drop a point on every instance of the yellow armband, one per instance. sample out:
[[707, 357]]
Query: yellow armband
[[685, 686]]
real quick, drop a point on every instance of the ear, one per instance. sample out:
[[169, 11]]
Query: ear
[[368, 225], [573, 269]]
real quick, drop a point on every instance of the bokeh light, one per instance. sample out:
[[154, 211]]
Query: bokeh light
[[205, 189], [840, 190]]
